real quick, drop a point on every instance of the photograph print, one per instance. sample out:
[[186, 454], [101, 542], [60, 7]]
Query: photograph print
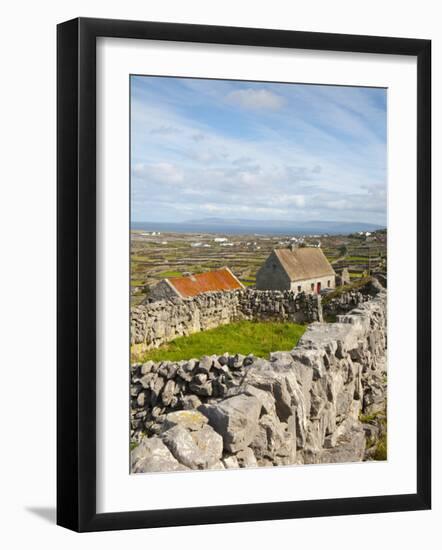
[[258, 274]]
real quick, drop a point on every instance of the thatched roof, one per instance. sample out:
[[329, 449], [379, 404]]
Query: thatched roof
[[212, 281], [304, 263]]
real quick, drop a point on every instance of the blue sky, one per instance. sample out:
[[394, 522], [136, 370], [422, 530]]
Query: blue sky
[[256, 150]]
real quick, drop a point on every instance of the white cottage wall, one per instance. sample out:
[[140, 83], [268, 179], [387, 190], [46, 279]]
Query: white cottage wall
[[329, 281]]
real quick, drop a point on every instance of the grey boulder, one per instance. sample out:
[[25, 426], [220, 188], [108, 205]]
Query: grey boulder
[[200, 449], [152, 455], [235, 419]]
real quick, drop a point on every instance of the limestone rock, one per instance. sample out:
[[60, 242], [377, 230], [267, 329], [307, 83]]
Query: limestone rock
[[189, 402], [269, 438], [219, 388], [197, 450], [301, 406], [264, 397], [152, 455], [246, 458], [156, 385], [168, 393], [204, 365], [230, 461], [141, 399], [350, 448], [167, 370], [235, 419], [185, 370], [281, 382], [210, 445], [189, 419], [147, 379], [146, 367], [201, 385]]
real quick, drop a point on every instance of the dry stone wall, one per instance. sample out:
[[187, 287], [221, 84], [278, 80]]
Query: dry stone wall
[[344, 302], [158, 322], [298, 407]]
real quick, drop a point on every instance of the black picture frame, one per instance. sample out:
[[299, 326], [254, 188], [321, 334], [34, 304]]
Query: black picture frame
[[76, 273]]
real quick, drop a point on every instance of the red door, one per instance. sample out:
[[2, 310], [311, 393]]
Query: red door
[[318, 288]]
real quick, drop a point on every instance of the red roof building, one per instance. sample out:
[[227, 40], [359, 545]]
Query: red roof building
[[193, 285]]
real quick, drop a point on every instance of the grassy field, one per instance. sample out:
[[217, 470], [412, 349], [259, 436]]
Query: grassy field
[[170, 274], [169, 254], [356, 275], [249, 282], [362, 259], [155, 256], [243, 337]]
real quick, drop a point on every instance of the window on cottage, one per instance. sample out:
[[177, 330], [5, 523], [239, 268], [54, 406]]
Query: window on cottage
[[328, 284], [299, 288], [312, 286]]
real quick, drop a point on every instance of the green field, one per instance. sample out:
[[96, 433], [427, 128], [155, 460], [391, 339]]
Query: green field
[[169, 274], [248, 283], [136, 282], [170, 254], [243, 337], [363, 259]]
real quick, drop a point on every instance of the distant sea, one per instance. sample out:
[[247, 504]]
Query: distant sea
[[245, 229], [209, 228]]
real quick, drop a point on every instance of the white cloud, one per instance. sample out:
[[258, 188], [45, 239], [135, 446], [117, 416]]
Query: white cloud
[[240, 209], [248, 178], [290, 200], [162, 172], [164, 130], [266, 167], [256, 99], [339, 204]]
